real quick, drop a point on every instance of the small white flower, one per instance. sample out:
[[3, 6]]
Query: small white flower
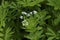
[[31, 12], [21, 17], [11, 39], [34, 12], [59, 31], [28, 15], [24, 22], [24, 13]]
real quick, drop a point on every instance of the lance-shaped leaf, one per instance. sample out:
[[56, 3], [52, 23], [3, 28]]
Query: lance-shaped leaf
[[29, 2], [55, 3]]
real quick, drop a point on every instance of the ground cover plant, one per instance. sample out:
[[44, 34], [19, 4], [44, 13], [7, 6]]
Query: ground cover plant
[[29, 19]]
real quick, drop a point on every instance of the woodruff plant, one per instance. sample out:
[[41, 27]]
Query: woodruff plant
[[30, 20]]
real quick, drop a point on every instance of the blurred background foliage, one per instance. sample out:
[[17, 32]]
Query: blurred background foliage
[[44, 24]]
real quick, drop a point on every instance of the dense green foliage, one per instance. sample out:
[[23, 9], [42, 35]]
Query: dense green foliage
[[29, 19]]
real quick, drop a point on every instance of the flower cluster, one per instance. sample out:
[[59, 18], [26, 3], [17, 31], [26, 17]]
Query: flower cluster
[[27, 14], [25, 22]]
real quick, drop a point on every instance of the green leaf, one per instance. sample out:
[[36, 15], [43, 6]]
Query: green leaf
[[50, 38], [55, 3], [29, 2]]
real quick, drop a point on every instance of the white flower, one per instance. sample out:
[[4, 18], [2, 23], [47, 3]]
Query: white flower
[[28, 15], [21, 17], [25, 22], [34, 12], [59, 31], [11, 39], [31, 12], [24, 13]]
